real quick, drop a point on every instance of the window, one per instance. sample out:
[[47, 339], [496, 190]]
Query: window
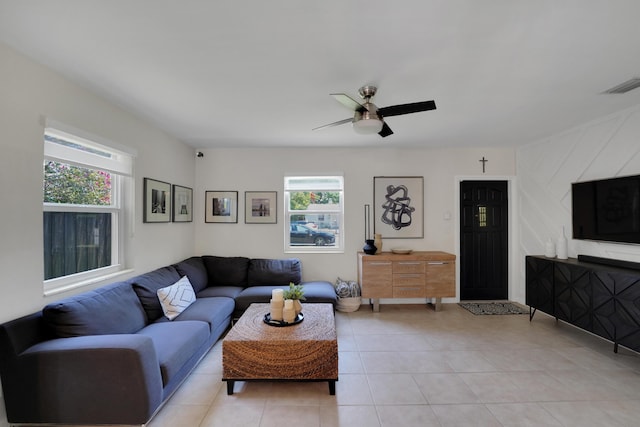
[[314, 213], [84, 186]]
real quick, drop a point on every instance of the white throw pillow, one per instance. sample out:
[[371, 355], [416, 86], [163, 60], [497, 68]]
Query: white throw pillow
[[176, 298]]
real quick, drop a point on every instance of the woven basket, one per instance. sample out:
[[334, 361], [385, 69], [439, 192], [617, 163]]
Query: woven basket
[[349, 304]]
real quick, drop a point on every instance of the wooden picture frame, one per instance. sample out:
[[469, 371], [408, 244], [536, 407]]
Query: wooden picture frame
[[157, 201], [182, 204], [260, 207], [398, 207], [221, 206]]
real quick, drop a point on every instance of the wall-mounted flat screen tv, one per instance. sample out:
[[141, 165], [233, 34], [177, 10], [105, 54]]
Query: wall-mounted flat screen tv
[[607, 209]]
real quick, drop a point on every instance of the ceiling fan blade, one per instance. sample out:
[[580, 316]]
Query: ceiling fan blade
[[341, 122], [386, 130], [397, 110], [348, 102]]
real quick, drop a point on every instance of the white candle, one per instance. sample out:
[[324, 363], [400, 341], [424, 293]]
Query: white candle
[[277, 294], [288, 303]]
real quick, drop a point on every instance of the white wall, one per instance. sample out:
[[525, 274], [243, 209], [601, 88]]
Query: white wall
[[603, 148], [264, 169], [30, 92]]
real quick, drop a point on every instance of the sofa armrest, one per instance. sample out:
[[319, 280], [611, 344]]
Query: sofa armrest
[[98, 379]]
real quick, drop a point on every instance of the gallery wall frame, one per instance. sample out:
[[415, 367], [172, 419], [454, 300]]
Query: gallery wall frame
[[221, 207], [182, 204], [261, 207], [157, 201], [398, 206]]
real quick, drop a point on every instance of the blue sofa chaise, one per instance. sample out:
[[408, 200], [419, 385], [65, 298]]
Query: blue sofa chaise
[[111, 356]]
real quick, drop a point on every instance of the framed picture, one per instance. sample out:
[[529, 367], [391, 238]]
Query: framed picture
[[182, 204], [221, 206], [157, 201], [260, 207], [398, 206]]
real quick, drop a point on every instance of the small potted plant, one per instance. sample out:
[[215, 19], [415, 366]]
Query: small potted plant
[[295, 293], [348, 293]]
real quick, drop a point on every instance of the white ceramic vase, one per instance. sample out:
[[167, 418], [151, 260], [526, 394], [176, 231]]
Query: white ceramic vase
[[561, 246]]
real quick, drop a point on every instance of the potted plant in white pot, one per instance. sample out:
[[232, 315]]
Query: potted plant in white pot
[[295, 293], [349, 297]]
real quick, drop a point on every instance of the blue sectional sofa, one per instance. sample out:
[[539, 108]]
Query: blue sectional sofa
[[111, 356]]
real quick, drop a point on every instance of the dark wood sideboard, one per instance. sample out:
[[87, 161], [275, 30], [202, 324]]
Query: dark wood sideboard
[[599, 298]]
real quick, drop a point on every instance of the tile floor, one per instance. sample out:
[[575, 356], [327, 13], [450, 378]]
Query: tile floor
[[410, 366]]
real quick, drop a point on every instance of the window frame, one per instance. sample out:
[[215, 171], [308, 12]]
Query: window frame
[[339, 245], [120, 166]]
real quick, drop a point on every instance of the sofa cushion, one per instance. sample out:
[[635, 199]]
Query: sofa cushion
[[314, 292], [216, 311], [111, 309], [274, 272], [220, 291], [195, 270], [146, 287], [226, 271], [176, 298], [176, 343]]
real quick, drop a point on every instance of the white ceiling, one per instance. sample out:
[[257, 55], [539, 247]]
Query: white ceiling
[[259, 73]]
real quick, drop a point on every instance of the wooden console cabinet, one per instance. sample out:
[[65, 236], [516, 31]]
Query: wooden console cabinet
[[426, 274], [598, 298]]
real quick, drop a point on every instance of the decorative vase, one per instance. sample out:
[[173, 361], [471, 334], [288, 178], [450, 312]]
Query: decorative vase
[[561, 246], [550, 249], [377, 242], [369, 248], [297, 306]]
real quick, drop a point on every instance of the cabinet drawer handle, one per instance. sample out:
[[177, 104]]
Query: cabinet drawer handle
[[409, 262], [379, 263], [437, 263]]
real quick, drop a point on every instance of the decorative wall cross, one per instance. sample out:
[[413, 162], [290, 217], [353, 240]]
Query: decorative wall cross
[[484, 162]]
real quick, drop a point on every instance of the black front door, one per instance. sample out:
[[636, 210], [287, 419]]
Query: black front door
[[483, 240]]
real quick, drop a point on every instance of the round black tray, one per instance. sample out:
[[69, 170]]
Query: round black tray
[[267, 319]]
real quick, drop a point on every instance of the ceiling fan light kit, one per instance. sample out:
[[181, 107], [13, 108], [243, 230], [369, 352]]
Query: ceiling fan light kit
[[369, 119], [367, 123]]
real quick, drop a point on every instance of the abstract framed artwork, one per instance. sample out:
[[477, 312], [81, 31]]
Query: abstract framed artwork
[[398, 206], [182, 204], [221, 206], [157, 201], [260, 207]]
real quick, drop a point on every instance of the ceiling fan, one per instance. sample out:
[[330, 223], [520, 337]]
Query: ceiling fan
[[368, 118]]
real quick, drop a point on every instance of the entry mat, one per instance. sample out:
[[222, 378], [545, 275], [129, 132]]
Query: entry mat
[[493, 308]]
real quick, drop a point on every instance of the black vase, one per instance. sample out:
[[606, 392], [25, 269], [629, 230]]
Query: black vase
[[369, 248]]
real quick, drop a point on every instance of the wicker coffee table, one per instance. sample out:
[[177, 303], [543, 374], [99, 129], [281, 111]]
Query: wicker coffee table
[[307, 351]]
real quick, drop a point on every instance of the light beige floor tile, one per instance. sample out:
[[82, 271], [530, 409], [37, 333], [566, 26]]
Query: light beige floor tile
[[352, 389], [465, 415], [389, 342], [492, 387], [349, 362], [198, 389], [468, 361], [395, 389], [349, 416], [245, 393], [445, 389], [347, 342], [232, 416], [522, 415], [404, 362], [278, 416], [173, 415], [407, 416], [296, 393], [581, 414]]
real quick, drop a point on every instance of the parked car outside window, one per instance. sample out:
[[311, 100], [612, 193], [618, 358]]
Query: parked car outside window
[[305, 235]]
